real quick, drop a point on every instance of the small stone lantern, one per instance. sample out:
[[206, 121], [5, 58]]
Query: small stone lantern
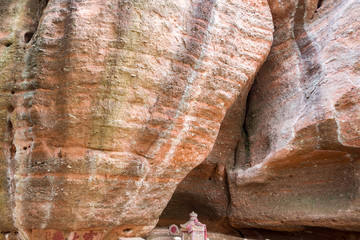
[[193, 229]]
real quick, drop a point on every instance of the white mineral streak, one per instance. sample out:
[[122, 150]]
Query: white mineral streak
[[49, 205], [190, 95], [183, 107], [92, 166]]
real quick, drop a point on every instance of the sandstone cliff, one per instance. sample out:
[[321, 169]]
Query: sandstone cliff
[[108, 108], [303, 123], [293, 164], [107, 105]]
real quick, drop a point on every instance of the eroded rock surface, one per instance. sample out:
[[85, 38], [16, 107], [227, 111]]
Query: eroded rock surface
[[297, 156], [303, 123], [107, 105], [205, 189]]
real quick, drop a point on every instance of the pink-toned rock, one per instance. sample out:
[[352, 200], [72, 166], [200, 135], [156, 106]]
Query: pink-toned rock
[[303, 123], [107, 105], [205, 189]]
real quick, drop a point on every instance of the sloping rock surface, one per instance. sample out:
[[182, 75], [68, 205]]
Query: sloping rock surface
[[107, 105]]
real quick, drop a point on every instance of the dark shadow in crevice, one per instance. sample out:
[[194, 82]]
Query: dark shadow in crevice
[[247, 158], [36, 10], [28, 36], [8, 44], [320, 2]]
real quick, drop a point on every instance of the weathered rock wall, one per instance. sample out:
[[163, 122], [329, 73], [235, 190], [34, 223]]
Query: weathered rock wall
[[205, 189], [107, 105], [297, 156], [18, 22], [303, 123]]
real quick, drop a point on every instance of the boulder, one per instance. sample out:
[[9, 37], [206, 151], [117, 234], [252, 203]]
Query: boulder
[[107, 105]]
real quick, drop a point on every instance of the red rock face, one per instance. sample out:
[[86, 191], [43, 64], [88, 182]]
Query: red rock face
[[205, 189], [107, 105], [303, 123], [296, 167]]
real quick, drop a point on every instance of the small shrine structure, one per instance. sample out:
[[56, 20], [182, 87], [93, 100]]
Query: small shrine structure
[[193, 229]]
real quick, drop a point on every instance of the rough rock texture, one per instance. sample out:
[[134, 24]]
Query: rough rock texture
[[205, 189], [303, 123], [297, 155], [297, 160], [18, 22], [107, 105]]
